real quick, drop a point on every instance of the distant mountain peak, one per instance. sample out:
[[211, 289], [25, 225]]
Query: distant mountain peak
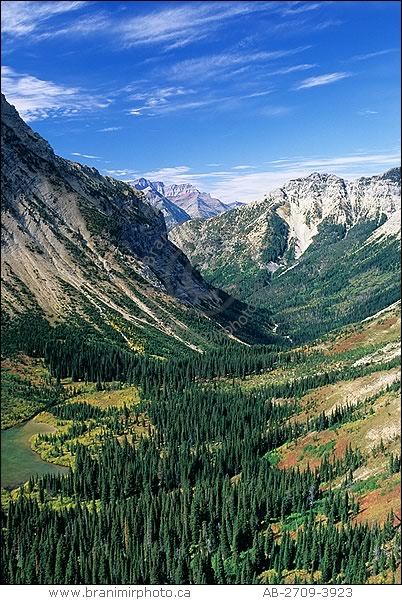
[[180, 202]]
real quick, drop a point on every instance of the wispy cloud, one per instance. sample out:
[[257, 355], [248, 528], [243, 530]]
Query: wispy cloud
[[119, 173], [108, 129], [85, 155], [159, 100], [295, 8], [357, 159], [212, 66], [155, 96], [307, 25], [326, 24], [172, 27], [24, 18], [321, 80], [155, 106], [292, 69], [369, 55], [243, 167], [39, 99], [367, 112], [168, 174], [83, 26], [179, 26], [152, 110]]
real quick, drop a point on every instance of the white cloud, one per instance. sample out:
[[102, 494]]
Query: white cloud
[[108, 129], [167, 174], [367, 112], [160, 94], [160, 106], [295, 8], [215, 65], [369, 55], [172, 27], [23, 18], [179, 26], [241, 167], [158, 100], [321, 80], [39, 99], [292, 69], [85, 155], [85, 25], [122, 173], [358, 159]]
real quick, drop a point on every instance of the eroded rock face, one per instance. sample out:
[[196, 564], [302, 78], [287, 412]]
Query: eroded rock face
[[306, 202]]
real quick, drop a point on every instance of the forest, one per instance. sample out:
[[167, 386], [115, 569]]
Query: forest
[[183, 486]]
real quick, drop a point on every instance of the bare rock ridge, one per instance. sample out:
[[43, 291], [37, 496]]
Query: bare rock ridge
[[77, 243], [306, 202]]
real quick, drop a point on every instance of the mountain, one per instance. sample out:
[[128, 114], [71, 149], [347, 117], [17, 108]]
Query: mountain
[[319, 252], [173, 214], [199, 205], [87, 251], [182, 202], [235, 204]]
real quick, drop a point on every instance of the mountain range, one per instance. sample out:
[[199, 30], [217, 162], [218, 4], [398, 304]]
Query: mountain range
[[80, 248], [181, 202], [318, 252]]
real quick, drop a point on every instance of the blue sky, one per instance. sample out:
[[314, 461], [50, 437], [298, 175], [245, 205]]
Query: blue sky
[[234, 97]]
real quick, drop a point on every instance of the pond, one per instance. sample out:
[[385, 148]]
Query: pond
[[18, 461]]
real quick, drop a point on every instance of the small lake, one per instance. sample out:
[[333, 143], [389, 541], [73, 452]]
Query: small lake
[[18, 461]]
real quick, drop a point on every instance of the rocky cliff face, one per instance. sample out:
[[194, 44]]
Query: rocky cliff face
[[307, 202], [77, 243]]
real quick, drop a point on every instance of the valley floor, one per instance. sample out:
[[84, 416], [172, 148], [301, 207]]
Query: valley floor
[[305, 448]]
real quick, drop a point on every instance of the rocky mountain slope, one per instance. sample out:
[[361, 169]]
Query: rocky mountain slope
[[311, 250], [182, 202], [80, 246]]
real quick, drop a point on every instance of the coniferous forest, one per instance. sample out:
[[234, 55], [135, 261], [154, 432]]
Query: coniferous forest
[[183, 486]]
